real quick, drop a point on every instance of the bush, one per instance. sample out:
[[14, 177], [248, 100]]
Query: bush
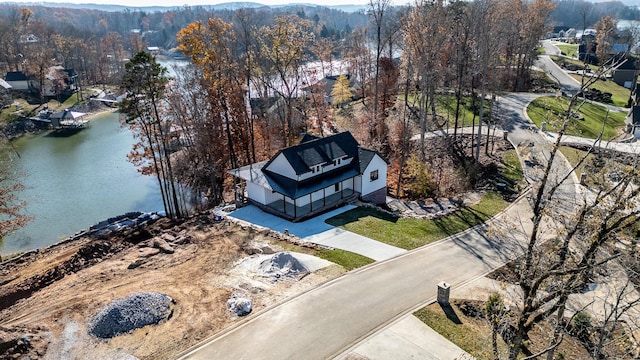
[[581, 326]]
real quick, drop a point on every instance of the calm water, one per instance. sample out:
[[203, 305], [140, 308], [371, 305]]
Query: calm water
[[76, 181]]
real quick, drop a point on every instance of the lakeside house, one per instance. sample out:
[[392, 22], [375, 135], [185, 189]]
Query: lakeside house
[[316, 175]]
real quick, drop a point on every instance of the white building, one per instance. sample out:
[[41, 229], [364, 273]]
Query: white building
[[316, 175]]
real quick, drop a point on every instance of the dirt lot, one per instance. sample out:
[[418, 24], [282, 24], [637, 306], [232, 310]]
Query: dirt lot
[[52, 295]]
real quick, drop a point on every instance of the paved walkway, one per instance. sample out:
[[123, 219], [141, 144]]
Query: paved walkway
[[317, 231], [631, 148], [408, 338]]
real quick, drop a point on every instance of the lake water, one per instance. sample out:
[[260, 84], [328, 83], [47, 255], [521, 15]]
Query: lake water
[[76, 181]]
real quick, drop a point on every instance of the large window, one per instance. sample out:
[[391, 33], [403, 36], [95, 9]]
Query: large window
[[373, 176]]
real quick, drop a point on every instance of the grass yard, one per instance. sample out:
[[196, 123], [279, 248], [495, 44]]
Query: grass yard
[[473, 334], [470, 334], [569, 50], [619, 94], [412, 233], [513, 170], [549, 108], [346, 259]]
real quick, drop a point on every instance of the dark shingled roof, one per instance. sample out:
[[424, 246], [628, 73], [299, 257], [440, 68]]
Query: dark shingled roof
[[315, 151], [15, 76], [305, 155]]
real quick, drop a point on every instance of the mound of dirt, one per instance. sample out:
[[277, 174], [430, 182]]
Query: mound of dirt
[[132, 312]]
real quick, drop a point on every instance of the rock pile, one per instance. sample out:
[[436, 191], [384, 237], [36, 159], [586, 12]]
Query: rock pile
[[240, 305], [129, 313]]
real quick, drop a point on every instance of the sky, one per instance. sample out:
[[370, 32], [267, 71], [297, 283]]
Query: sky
[[177, 3]]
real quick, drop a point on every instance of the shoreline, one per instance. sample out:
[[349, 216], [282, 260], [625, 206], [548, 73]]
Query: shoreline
[[24, 126]]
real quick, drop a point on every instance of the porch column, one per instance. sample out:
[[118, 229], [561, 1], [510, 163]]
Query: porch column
[[324, 196], [341, 190], [311, 202]]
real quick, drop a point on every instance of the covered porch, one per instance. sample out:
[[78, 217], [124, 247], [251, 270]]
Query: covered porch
[[308, 205]]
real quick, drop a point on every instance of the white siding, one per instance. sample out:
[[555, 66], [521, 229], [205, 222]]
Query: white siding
[[358, 184], [328, 167], [369, 186], [281, 166], [272, 196], [19, 85], [256, 193]]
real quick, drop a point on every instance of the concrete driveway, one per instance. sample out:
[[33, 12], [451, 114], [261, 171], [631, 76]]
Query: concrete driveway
[[317, 231]]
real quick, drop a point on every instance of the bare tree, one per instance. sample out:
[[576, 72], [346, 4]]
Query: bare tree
[[145, 84], [11, 216]]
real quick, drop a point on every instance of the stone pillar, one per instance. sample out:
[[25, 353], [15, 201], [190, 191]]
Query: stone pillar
[[543, 126], [443, 293], [504, 135], [583, 179]]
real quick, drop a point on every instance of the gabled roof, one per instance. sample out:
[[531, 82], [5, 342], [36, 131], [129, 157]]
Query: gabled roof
[[366, 155], [311, 150], [318, 151], [15, 76]]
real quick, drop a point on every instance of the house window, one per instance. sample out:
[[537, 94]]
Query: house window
[[337, 187], [373, 176]]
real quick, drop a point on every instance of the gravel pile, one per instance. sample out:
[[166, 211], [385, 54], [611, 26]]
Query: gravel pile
[[280, 265], [129, 313]]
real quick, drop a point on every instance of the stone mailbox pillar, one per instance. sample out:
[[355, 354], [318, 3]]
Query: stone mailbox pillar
[[443, 293], [583, 179], [543, 126], [504, 135]]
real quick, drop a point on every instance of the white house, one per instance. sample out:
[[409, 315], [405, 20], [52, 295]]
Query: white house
[[316, 175]]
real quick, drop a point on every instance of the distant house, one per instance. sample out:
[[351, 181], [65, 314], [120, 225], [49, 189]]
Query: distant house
[[625, 73], [21, 82], [316, 175]]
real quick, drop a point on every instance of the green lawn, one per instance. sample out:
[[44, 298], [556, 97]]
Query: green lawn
[[513, 170], [413, 233], [471, 335], [346, 259], [549, 108], [569, 50], [619, 94]]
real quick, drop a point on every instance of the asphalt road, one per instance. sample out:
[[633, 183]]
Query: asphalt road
[[567, 83]]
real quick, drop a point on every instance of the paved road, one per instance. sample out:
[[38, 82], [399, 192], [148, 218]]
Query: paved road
[[567, 83]]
